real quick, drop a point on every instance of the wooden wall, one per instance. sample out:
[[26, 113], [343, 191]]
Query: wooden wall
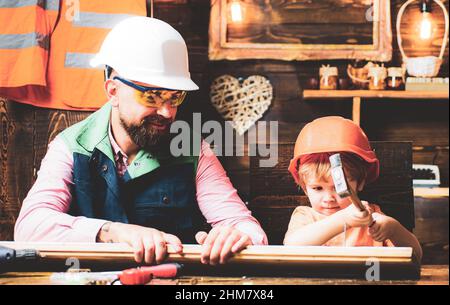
[[25, 130]]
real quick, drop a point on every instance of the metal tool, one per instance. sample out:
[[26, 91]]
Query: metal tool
[[11, 257], [134, 276], [343, 188]]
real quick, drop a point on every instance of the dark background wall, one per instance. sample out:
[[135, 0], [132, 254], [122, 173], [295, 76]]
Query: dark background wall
[[25, 131]]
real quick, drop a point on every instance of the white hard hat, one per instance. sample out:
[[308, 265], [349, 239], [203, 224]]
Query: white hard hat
[[147, 50]]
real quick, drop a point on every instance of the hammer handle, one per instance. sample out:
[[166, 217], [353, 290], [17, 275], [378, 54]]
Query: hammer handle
[[357, 202]]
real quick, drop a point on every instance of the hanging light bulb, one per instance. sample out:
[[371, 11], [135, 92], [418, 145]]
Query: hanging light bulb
[[236, 11], [426, 26]]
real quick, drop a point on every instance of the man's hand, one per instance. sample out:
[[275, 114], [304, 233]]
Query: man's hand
[[383, 228], [148, 244], [221, 243], [353, 217]]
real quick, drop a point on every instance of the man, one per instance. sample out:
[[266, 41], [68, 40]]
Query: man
[[111, 177]]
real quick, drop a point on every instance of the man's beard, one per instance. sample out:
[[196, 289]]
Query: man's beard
[[148, 137]]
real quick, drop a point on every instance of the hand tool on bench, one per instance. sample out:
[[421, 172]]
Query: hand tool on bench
[[11, 257], [133, 276]]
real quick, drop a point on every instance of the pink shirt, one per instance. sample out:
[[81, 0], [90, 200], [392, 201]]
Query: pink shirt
[[44, 217]]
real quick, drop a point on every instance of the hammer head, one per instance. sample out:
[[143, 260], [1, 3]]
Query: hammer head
[[341, 185], [337, 173]]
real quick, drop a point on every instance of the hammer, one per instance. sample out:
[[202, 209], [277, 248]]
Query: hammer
[[343, 189]]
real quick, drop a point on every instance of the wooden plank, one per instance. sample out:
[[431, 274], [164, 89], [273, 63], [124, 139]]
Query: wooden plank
[[16, 163], [426, 133], [320, 94], [48, 124], [432, 223], [325, 261], [434, 155], [7, 227], [434, 192], [350, 34], [252, 254]]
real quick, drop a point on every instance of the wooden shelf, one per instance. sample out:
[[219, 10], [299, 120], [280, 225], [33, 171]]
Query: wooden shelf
[[431, 192], [357, 95], [313, 94]]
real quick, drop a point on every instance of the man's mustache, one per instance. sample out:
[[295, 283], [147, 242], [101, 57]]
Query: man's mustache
[[156, 119]]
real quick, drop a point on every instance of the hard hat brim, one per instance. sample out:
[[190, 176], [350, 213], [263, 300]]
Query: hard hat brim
[[151, 78], [373, 164]]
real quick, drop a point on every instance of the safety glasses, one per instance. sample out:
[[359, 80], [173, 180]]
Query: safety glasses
[[155, 97]]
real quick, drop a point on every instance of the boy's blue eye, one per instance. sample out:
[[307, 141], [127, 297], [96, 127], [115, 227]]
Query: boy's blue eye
[[317, 188]]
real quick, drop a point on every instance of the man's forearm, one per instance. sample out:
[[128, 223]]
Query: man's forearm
[[218, 199], [43, 216]]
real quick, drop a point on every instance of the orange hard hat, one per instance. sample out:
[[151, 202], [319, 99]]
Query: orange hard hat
[[334, 134]]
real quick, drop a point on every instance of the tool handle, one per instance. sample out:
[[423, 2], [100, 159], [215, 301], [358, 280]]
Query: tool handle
[[143, 275], [7, 255], [10, 256], [357, 202]]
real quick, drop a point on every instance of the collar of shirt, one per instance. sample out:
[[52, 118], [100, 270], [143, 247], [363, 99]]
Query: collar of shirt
[[119, 155]]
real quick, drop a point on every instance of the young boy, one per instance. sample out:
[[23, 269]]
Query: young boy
[[331, 220]]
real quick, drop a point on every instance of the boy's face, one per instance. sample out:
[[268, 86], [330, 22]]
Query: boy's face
[[323, 196]]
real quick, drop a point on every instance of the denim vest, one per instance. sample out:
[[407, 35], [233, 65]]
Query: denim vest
[[154, 192]]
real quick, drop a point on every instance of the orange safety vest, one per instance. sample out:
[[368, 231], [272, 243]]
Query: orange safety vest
[[71, 83], [25, 29]]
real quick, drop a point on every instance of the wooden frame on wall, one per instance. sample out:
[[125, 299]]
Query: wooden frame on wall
[[302, 30]]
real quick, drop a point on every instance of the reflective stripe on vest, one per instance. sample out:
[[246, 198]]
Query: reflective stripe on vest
[[17, 3], [76, 83], [91, 20], [100, 21], [25, 30], [22, 41], [28, 27], [79, 60], [52, 5]]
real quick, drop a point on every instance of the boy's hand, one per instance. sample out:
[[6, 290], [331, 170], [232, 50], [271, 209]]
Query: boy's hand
[[353, 217], [383, 228]]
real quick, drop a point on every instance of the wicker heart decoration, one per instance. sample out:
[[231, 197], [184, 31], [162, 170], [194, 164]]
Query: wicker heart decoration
[[244, 104]]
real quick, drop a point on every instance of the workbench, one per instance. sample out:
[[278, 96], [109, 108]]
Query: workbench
[[430, 275]]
